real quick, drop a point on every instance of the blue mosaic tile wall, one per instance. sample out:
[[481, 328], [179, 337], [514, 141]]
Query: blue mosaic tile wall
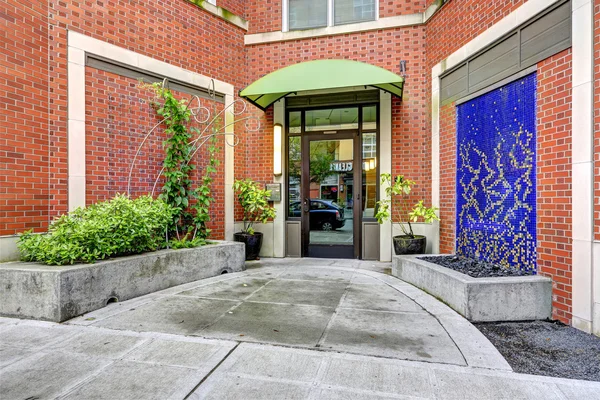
[[495, 179]]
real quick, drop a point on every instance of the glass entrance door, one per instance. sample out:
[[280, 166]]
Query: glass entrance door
[[329, 197], [332, 179]]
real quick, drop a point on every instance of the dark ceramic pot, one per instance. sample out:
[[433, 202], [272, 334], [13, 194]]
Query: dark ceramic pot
[[406, 245], [253, 243]]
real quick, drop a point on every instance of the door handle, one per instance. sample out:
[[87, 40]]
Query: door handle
[[306, 203]]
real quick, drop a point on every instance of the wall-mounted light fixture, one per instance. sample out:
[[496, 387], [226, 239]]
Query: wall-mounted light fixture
[[277, 132]]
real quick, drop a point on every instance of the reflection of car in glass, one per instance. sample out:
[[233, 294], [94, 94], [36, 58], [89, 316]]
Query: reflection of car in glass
[[324, 214]]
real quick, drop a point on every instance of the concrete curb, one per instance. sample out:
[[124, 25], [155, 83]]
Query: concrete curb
[[518, 298], [58, 293]]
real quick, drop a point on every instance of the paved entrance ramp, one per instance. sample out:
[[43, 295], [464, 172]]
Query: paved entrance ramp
[[287, 329], [329, 305]]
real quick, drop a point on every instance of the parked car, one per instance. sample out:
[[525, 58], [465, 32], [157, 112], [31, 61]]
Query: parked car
[[325, 215]]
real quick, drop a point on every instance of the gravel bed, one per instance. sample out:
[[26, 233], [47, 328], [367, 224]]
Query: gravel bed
[[475, 268], [546, 348]]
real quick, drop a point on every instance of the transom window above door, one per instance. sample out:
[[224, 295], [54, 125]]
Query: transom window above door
[[330, 120], [307, 14]]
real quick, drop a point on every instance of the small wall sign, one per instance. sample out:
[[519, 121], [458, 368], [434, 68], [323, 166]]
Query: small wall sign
[[275, 189], [341, 166]]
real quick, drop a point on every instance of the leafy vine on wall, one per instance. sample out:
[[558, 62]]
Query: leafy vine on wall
[[188, 227]]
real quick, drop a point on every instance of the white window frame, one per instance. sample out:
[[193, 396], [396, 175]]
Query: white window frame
[[285, 24]]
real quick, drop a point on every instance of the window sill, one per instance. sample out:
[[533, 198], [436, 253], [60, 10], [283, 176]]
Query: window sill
[[381, 23]]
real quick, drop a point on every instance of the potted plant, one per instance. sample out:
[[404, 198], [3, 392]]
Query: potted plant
[[256, 208], [408, 243]]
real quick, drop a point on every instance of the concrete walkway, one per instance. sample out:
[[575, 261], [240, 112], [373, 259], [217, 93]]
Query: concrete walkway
[[283, 329]]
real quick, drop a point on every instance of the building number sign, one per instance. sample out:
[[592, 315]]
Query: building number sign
[[341, 166]]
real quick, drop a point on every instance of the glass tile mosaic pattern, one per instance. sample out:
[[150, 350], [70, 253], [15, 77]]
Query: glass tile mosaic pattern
[[495, 176]]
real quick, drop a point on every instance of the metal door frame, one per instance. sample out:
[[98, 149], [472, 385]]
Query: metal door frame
[[306, 137], [354, 135]]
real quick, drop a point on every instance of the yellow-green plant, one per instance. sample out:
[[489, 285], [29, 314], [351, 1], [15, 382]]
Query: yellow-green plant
[[402, 187], [254, 202], [120, 226]]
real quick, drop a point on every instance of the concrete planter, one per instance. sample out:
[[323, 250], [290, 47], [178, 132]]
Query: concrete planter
[[479, 299], [58, 293]]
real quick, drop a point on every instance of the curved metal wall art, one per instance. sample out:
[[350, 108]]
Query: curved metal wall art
[[203, 115]]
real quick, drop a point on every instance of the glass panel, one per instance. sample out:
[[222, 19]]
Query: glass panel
[[294, 174], [331, 192], [307, 13], [295, 121], [369, 174], [332, 119], [348, 11], [369, 118]]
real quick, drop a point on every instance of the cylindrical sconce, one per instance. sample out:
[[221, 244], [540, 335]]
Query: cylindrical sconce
[[277, 128], [371, 164]]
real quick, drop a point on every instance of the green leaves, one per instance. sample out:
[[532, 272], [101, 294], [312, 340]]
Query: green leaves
[[420, 211], [254, 202], [178, 166], [120, 226], [402, 187]]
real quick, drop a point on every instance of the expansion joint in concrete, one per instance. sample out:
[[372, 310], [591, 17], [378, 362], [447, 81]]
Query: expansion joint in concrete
[[212, 371]]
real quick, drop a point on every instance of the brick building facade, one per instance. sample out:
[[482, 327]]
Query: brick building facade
[[45, 110]]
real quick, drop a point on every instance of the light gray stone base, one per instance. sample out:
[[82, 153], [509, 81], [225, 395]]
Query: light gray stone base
[[519, 298], [58, 293], [8, 248]]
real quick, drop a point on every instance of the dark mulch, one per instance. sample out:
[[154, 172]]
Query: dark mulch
[[546, 348], [475, 268]]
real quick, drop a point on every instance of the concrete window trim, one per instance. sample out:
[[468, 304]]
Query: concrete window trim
[[380, 23], [395, 21], [78, 46], [586, 252]]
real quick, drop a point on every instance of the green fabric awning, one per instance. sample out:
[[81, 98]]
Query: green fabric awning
[[318, 75]]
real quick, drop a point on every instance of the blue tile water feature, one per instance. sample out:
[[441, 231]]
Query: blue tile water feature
[[496, 175]]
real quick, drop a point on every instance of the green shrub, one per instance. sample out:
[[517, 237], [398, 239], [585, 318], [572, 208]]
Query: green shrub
[[117, 227], [187, 242]]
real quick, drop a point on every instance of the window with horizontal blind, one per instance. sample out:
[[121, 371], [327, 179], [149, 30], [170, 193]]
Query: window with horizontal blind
[[305, 14], [349, 11]]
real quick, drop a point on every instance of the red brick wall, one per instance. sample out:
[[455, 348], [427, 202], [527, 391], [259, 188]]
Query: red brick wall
[[24, 167], [119, 115], [410, 138], [34, 87], [390, 8], [264, 15], [597, 119], [554, 179], [237, 7], [460, 21]]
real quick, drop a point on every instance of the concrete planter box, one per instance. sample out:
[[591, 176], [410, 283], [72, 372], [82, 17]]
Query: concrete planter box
[[479, 299], [58, 293]]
